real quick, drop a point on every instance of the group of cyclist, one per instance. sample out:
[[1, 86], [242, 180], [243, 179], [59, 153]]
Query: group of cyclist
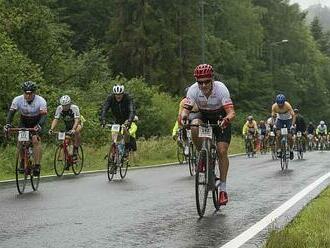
[[33, 113], [207, 100], [283, 116]]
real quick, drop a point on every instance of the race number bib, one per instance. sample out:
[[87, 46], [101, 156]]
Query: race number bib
[[272, 134], [23, 136], [284, 131], [298, 134], [61, 136], [205, 132], [115, 128]]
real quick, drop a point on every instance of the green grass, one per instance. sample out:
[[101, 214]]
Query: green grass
[[151, 151], [311, 228]]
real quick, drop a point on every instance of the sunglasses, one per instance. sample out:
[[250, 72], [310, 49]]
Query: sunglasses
[[204, 82]]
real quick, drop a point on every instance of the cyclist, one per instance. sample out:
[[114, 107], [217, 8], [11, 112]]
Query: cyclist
[[72, 119], [132, 134], [285, 118], [321, 132], [263, 131], [311, 135], [122, 108], [271, 121], [301, 127], [33, 110], [212, 99], [250, 127]]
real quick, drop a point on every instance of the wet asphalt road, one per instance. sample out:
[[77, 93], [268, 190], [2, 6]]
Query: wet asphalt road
[[151, 207]]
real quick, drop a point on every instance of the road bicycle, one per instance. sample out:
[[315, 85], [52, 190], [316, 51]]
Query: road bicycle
[[285, 151], [299, 145], [25, 165], [116, 157], [205, 178], [64, 157], [249, 145], [272, 144], [311, 144], [191, 155]]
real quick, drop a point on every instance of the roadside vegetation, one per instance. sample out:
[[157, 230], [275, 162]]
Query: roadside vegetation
[[311, 228]]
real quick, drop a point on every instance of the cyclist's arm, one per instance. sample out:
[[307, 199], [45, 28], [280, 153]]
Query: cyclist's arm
[[175, 129], [54, 124], [76, 113], [291, 113], [10, 116], [244, 130], [133, 129], [105, 107], [131, 108]]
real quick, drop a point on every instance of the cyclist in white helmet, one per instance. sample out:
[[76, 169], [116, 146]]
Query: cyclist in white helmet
[[122, 109], [73, 121]]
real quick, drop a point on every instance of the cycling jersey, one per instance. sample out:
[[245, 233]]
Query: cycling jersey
[[122, 111], [215, 103], [310, 129], [321, 129], [68, 116], [249, 126], [283, 113], [31, 112]]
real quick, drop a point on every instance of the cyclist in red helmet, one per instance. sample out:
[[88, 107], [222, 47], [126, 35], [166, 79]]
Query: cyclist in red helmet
[[213, 100]]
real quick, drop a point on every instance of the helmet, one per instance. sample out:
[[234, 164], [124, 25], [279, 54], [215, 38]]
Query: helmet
[[65, 100], [29, 86], [261, 122], [203, 71], [136, 118], [296, 110], [322, 123], [250, 118], [118, 89], [280, 99]]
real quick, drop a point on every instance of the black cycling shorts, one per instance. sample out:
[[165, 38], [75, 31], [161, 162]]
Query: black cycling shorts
[[221, 135]]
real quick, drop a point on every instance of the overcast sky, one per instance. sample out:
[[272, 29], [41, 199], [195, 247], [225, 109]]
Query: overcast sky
[[306, 3]]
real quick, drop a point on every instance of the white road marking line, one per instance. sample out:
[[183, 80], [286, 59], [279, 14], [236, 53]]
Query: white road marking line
[[262, 224]]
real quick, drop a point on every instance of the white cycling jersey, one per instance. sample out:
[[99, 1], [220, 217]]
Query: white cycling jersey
[[218, 99], [72, 113], [33, 109], [321, 129]]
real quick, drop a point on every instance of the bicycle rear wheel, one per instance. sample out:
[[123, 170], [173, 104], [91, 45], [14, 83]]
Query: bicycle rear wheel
[[79, 163], [59, 161], [201, 184], [34, 179], [192, 160], [21, 177], [123, 168]]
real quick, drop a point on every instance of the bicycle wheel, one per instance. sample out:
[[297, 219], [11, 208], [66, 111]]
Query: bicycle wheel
[[59, 161], [215, 196], [201, 189], [111, 167], [192, 160], [180, 153], [79, 163], [123, 168], [21, 176], [283, 157], [34, 179]]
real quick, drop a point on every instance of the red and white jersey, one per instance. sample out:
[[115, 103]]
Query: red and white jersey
[[217, 101], [35, 108]]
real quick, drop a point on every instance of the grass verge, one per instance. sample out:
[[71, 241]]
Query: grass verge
[[311, 227], [151, 151]]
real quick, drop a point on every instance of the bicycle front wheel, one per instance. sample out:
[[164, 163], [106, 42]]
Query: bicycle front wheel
[[21, 177], [79, 163], [59, 161], [111, 167], [35, 181], [180, 153], [201, 189], [192, 160], [123, 168]]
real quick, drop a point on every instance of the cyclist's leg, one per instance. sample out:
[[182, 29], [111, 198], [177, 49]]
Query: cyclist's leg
[[196, 119], [36, 141]]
